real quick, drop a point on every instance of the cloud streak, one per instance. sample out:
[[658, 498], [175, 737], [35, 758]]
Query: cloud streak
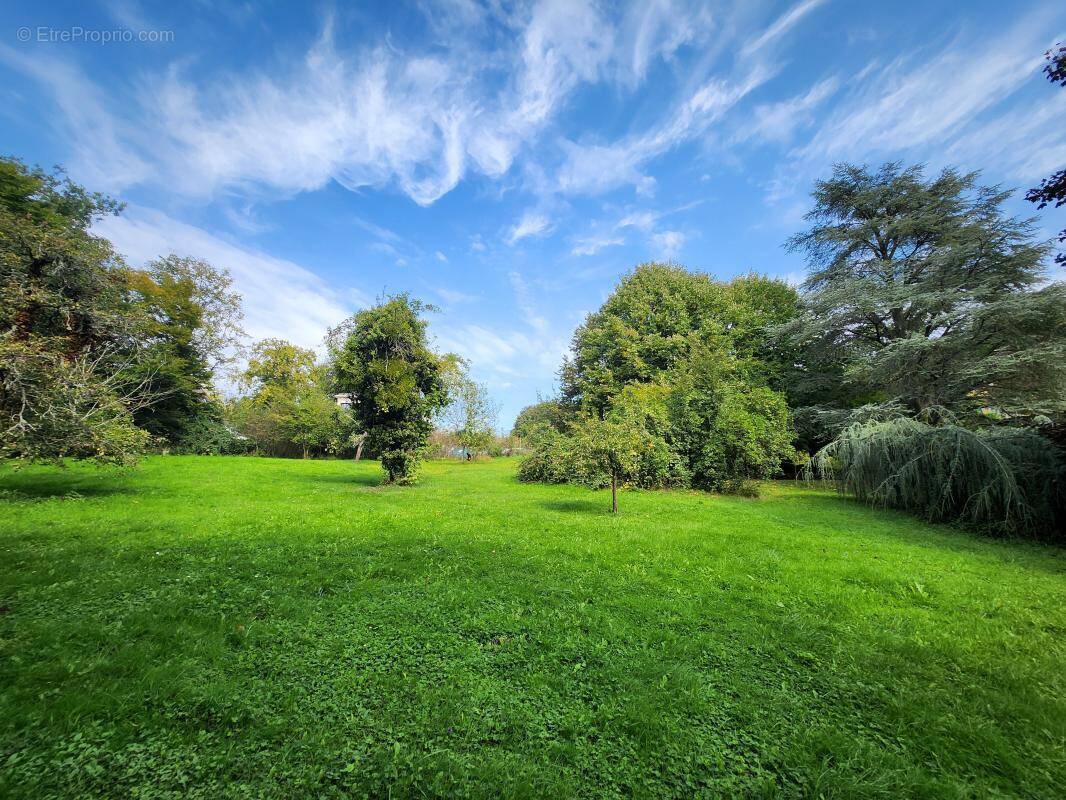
[[952, 103], [781, 26], [417, 120], [532, 224], [595, 168]]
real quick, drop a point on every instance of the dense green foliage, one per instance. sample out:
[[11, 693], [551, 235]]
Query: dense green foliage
[[728, 430], [684, 364], [926, 299], [662, 316], [286, 408], [930, 294], [544, 412], [1007, 480], [396, 382], [189, 322], [57, 407], [624, 448], [235, 627], [98, 360], [616, 447], [64, 335]]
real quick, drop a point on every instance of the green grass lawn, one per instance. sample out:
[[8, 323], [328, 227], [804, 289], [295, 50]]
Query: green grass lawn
[[216, 627]]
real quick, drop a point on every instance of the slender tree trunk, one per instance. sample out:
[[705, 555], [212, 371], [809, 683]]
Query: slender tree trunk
[[305, 451], [359, 447], [614, 493]]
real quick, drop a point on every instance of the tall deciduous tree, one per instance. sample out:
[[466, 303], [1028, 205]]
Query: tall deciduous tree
[[705, 349], [395, 382], [189, 325], [930, 294], [288, 409], [65, 330], [658, 317]]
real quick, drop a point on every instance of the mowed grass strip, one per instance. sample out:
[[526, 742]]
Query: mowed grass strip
[[231, 627]]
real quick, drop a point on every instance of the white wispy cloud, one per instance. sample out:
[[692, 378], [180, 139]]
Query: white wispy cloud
[[529, 348], [667, 244], [913, 102], [369, 121], [389, 242], [951, 103], [620, 230], [416, 119], [128, 14], [380, 232], [453, 295], [657, 29], [99, 141], [564, 44], [524, 300], [597, 168], [503, 353], [593, 169], [1029, 143], [532, 349], [386, 248], [663, 243], [780, 26], [590, 245], [532, 223], [778, 122], [642, 219]]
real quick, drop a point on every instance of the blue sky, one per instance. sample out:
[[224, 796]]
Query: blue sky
[[508, 162]]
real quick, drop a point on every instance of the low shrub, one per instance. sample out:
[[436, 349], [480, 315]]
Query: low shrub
[[705, 428], [551, 457], [211, 437], [732, 433]]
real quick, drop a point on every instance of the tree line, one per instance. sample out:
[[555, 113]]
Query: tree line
[[97, 359], [103, 361], [921, 365]]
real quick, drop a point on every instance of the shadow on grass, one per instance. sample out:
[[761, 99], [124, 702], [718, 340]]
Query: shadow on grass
[[353, 479], [577, 506], [29, 488], [909, 528]]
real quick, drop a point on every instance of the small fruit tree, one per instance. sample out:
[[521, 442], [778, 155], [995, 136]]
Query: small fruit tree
[[612, 446]]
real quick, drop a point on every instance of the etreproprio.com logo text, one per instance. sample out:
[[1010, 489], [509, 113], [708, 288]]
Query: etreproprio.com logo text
[[79, 35]]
